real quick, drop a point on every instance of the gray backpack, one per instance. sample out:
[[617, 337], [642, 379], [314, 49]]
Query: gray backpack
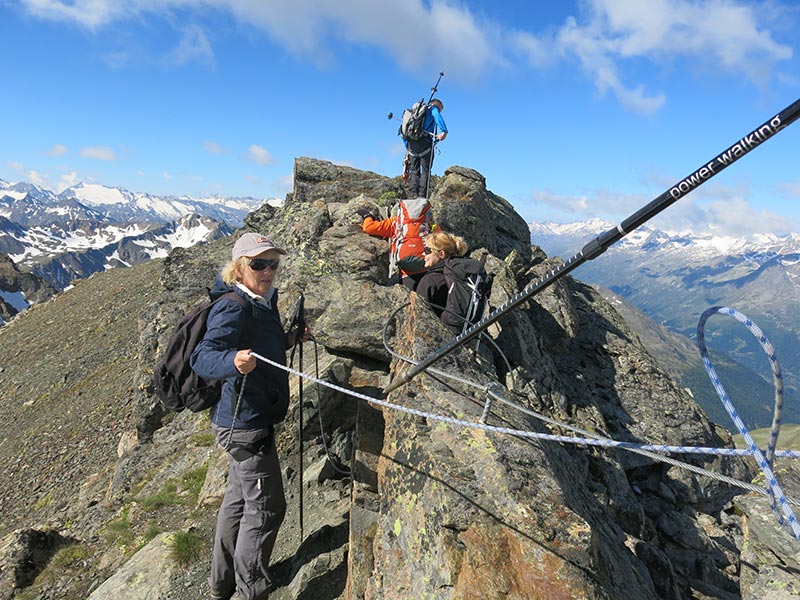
[[413, 120]]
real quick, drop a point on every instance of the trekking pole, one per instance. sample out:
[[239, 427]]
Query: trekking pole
[[596, 247], [435, 86], [300, 399], [299, 325]]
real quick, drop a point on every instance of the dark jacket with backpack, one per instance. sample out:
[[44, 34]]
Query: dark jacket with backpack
[[457, 288], [232, 326], [433, 287]]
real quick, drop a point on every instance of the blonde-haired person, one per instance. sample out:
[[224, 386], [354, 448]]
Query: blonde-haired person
[[255, 397], [439, 247]]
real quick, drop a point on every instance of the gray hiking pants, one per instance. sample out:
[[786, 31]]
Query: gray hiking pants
[[252, 510], [420, 161]]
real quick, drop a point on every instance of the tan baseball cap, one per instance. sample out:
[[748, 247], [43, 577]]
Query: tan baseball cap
[[253, 244]]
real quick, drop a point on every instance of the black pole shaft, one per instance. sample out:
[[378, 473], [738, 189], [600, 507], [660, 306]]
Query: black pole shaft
[[435, 86], [300, 412], [600, 244]]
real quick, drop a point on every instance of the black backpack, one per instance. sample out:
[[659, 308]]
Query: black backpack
[[413, 120], [175, 383], [468, 289]]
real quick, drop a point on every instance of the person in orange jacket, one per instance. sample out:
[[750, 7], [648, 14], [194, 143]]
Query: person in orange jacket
[[406, 229]]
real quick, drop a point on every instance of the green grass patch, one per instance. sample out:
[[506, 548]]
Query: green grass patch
[[44, 501], [176, 492], [788, 438], [151, 532], [185, 547], [205, 439], [192, 481], [70, 557], [118, 531], [168, 496]]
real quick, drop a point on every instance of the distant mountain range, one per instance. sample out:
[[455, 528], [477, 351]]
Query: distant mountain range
[[52, 239], [674, 277]]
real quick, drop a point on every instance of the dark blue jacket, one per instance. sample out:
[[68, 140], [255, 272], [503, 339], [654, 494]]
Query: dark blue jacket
[[232, 327]]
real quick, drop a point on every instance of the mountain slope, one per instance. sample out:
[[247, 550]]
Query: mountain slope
[[674, 278], [396, 504], [753, 396]]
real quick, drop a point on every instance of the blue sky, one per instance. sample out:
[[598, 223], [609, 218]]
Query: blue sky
[[570, 110]]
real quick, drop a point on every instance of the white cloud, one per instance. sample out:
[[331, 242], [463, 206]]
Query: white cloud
[[259, 155], [608, 38], [734, 217], [88, 13], [58, 150], [214, 147], [98, 152], [790, 189], [420, 35], [597, 203], [67, 180], [166, 175], [286, 183], [718, 208], [193, 46], [37, 178], [610, 35]]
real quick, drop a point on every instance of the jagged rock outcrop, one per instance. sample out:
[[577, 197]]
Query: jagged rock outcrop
[[413, 505], [23, 554], [18, 290]]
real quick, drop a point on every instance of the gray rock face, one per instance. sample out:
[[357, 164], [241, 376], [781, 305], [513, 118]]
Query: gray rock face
[[26, 287], [443, 503], [23, 554]]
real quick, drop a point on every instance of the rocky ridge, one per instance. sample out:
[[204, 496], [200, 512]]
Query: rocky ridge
[[395, 505], [18, 290]]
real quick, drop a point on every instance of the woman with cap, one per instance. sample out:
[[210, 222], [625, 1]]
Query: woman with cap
[[255, 397]]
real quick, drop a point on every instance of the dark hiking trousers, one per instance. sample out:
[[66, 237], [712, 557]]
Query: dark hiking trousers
[[252, 510], [420, 161]]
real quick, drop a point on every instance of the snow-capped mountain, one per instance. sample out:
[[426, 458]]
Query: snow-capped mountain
[[89, 228], [80, 255], [121, 205], [30, 205], [673, 277]]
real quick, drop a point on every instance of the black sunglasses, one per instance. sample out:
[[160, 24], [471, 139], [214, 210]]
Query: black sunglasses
[[259, 264], [427, 250]]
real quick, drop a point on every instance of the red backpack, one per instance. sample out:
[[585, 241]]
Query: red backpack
[[414, 222]]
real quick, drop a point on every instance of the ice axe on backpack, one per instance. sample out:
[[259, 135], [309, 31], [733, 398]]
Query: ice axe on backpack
[[604, 241]]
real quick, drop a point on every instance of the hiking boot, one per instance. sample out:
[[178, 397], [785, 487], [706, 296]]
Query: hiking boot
[[218, 595]]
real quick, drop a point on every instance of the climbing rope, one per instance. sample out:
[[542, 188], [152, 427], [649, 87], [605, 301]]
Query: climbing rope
[[653, 451], [773, 488]]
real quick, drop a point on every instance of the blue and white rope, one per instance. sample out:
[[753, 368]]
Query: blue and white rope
[[590, 440], [773, 488]]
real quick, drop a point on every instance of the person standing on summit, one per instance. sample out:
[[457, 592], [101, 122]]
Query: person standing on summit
[[419, 152]]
